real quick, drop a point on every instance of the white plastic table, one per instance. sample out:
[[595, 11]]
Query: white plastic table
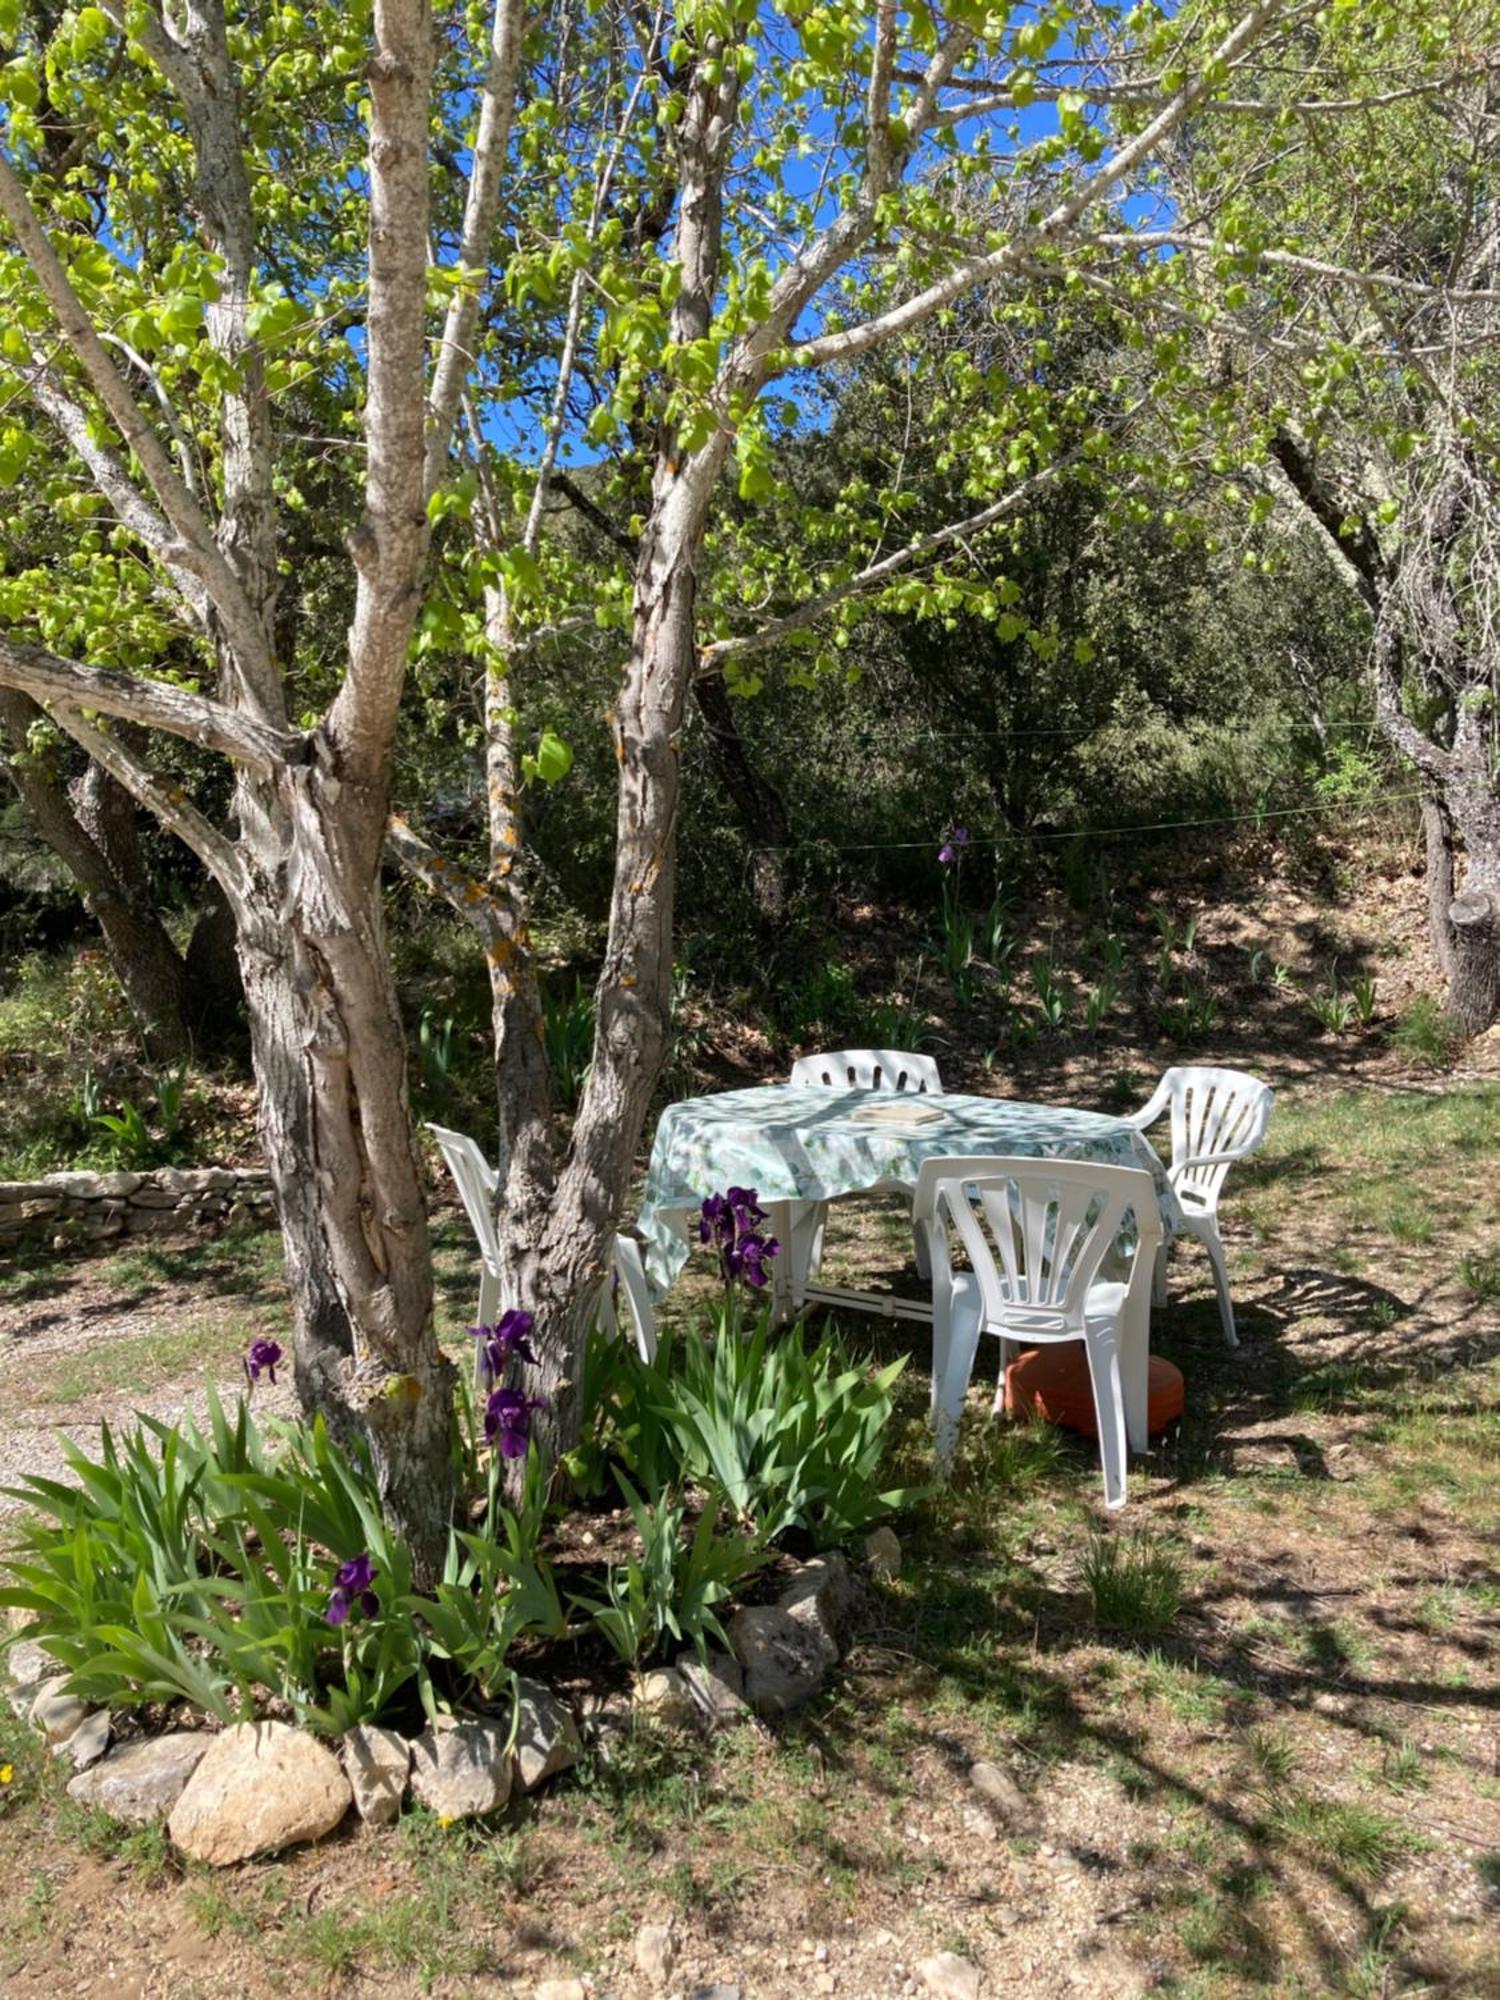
[[797, 1145]]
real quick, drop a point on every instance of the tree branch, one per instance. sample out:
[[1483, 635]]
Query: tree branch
[[461, 892], [481, 206], [1177, 239], [233, 733], [851, 341], [169, 803], [198, 550]]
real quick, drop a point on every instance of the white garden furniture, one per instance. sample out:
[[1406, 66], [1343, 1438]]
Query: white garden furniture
[[1035, 1234], [801, 1224], [1218, 1116], [477, 1183]]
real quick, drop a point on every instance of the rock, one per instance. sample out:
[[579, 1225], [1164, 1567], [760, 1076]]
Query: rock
[[88, 1742], [377, 1763], [883, 1553], [117, 1185], [718, 1688], [715, 1991], [27, 1667], [950, 1977], [259, 1787], [141, 1781], [546, 1736], [153, 1197], [823, 1596], [655, 1949], [783, 1658], [82, 1185], [662, 1697], [56, 1712], [995, 1784], [561, 1989], [980, 1824], [461, 1767]]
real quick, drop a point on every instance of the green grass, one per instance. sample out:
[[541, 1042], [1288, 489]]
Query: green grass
[[141, 1362], [1352, 1837], [1135, 1583]]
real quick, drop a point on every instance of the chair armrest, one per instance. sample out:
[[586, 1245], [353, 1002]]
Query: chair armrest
[[1158, 1102], [1214, 1159]]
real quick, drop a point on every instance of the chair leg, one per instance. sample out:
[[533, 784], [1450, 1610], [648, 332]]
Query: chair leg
[[1211, 1243], [1101, 1345], [489, 1295], [1159, 1278], [951, 1388]]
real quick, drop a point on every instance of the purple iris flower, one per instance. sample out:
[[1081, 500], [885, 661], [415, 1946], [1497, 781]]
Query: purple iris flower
[[507, 1420], [732, 1223], [948, 852], [264, 1354], [503, 1343], [351, 1588]]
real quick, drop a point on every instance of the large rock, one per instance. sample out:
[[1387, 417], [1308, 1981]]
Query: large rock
[[655, 1951], [377, 1763], [26, 1667], [784, 1658], [823, 1597], [546, 1736], [141, 1781], [88, 1742], [662, 1697], [999, 1789], [56, 1712], [717, 1686], [259, 1787], [461, 1767]]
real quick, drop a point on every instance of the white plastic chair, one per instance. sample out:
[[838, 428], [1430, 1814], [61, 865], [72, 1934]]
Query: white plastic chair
[[802, 1223], [1218, 1116], [477, 1183], [1035, 1233]]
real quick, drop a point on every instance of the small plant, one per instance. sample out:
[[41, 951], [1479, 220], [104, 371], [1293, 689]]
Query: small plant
[[1135, 1582], [1333, 1009], [1051, 994], [129, 1134], [1281, 977], [568, 1033], [1424, 1035], [1364, 993], [1479, 1274], [1096, 1005], [669, 1591], [435, 1054]]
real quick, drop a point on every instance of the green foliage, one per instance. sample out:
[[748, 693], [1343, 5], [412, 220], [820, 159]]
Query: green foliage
[[791, 1438], [1424, 1035], [1135, 1583], [194, 1565], [568, 1032], [669, 1592]]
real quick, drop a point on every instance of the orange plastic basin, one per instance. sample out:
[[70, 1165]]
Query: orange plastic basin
[[1053, 1383]]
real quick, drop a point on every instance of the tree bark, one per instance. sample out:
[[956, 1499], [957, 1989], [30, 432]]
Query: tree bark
[[92, 833], [1437, 839]]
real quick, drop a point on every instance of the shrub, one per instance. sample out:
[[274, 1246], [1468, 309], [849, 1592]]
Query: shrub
[[791, 1438]]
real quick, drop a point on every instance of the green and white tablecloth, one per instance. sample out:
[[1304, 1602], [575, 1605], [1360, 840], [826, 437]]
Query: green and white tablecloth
[[806, 1145]]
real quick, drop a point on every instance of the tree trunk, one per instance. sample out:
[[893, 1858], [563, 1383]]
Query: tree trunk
[[215, 991], [761, 809], [335, 1123], [88, 833], [1437, 836], [1474, 914]]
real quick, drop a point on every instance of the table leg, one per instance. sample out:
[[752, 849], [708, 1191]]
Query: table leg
[[783, 1266], [1135, 1351]]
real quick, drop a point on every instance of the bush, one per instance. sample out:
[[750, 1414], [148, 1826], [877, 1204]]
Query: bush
[[217, 1568], [792, 1439]]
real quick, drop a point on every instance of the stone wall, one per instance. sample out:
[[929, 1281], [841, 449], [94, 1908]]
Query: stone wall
[[87, 1207]]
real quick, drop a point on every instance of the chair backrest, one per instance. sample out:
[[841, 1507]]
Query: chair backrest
[[1218, 1116], [868, 1069], [627, 1283], [1035, 1231], [476, 1181]]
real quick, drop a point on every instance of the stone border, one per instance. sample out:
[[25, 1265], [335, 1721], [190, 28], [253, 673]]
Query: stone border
[[83, 1207], [235, 1794]]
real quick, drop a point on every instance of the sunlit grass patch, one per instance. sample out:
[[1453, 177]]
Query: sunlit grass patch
[[1135, 1583]]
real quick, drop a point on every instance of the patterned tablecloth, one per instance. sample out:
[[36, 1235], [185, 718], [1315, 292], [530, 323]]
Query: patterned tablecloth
[[817, 1144]]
